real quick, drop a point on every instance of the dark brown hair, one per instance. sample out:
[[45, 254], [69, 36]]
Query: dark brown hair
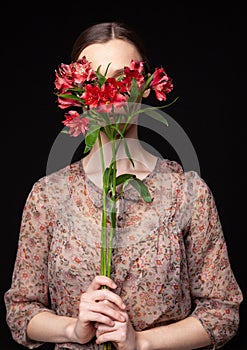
[[105, 31]]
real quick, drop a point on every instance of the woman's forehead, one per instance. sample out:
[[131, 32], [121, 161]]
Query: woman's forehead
[[118, 53]]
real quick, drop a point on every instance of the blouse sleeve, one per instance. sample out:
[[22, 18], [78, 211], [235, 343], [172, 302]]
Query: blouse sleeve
[[215, 293], [28, 293]]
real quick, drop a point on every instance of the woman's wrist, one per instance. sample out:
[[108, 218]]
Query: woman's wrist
[[52, 328], [75, 334], [69, 331], [141, 342]]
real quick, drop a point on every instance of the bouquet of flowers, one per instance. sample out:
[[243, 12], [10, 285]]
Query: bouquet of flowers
[[108, 105]]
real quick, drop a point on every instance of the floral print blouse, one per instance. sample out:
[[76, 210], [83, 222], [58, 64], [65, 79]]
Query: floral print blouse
[[169, 261]]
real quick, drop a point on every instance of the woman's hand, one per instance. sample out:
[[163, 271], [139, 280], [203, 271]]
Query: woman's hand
[[121, 334], [92, 309]]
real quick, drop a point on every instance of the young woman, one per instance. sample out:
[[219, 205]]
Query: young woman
[[171, 287]]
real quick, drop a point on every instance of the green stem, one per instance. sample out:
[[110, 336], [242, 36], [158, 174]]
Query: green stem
[[113, 209], [107, 346], [112, 232], [114, 169], [104, 217], [103, 237], [130, 116]]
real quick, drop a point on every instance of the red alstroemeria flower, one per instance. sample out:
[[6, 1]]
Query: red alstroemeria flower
[[78, 85], [81, 71], [119, 86], [75, 123], [91, 95], [137, 65], [63, 78], [64, 103], [135, 70], [73, 75], [161, 84], [112, 93]]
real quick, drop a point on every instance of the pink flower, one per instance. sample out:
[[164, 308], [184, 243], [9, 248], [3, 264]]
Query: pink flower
[[135, 70], [82, 71], [70, 80], [63, 78], [78, 85], [64, 103], [75, 123], [137, 65], [161, 84], [73, 75]]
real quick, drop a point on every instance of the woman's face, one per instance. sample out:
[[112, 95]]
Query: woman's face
[[118, 53]]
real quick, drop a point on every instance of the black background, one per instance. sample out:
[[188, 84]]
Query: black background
[[200, 45]]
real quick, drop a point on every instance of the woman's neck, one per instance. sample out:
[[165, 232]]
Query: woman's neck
[[144, 162]]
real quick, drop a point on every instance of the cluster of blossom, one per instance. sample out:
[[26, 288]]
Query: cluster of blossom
[[78, 85]]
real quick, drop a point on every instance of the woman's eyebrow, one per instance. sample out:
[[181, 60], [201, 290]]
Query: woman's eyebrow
[[117, 72]]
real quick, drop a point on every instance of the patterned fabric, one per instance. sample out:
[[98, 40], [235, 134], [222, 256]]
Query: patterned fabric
[[169, 261]]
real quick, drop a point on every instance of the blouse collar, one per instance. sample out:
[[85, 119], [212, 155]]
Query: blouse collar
[[129, 194]]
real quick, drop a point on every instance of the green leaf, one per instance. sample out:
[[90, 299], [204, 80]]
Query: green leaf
[[113, 212], [155, 115], [171, 103], [71, 97], [149, 81], [134, 91], [75, 89], [142, 189], [126, 148], [91, 136], [102, 77], [124, 178], [120, 77], [152, 112], [107, 69], [87, 148], [107, 179], [65, 131]]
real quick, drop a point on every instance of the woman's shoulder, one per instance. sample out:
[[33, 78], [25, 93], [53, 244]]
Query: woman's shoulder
[[58, 180], [165, 165], [190, 180]]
